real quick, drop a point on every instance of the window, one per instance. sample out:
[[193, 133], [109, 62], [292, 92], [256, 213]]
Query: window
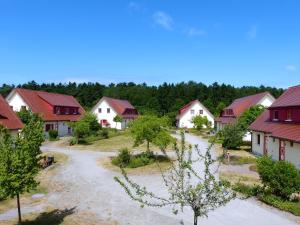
[[258, 139], [49, 127], [200, 111], [75, 111], [67, 110], [57, 110], [292, 144], [23, 107], [99, 110], [289, 115], [275, 115], [108, 110], [192, 112], [273, 139]]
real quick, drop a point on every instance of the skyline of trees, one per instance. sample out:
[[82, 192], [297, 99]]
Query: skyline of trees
[[164, 99]]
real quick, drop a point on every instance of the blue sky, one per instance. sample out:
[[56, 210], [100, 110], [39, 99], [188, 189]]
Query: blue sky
[[239, 42]]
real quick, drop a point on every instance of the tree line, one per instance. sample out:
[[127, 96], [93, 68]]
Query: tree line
[[164, 99]]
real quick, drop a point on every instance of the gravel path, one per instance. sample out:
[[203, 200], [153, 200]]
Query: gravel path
[[89, 187]]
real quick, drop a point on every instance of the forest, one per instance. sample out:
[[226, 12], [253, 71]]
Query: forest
[[165, 99]]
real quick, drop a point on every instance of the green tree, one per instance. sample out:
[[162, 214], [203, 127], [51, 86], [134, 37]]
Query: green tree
[[249, 116], [19, 160], [91, 120], [232, 136], [25, 115], [187, 187], [81, 130], [118, 119], [163, 139], [146, 129], [201, 121]]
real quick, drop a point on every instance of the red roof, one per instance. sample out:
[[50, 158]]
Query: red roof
[[291, 97], [186, 107], [286, 131], [240, 105], [42, 103], [8, 118], [122, 107]]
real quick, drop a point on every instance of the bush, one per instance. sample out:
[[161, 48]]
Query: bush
[[246, 190], [53, 134], [104, 133], [281, 177], [232, 136]]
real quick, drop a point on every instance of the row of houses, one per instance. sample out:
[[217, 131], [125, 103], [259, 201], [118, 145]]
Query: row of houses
[[275, 133]]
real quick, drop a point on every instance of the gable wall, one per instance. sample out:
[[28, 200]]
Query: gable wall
[[185, 120], [17, 102]]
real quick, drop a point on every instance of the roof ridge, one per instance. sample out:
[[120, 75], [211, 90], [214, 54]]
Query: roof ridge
[[55, 93]]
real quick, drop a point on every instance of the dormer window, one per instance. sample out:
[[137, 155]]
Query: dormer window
[[57, 110], [289, 115], [275, 115], [67, 110]]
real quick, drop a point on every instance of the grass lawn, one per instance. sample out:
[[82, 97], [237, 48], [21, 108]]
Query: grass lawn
[[235, 178], [292, 207], [44, 177], [114, 143]]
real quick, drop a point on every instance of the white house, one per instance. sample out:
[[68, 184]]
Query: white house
[[56, 110], [189, 111], [276, 132], [108, 108], [230, 114]]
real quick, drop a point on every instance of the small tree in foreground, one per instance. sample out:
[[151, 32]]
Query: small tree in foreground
[[201, 121], [19, 161], [187, 187]]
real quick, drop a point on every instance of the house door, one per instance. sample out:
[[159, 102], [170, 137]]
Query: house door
[[266, 139], [281, 150]]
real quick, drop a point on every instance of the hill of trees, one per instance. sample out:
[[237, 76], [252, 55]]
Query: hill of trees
[[164, 99]]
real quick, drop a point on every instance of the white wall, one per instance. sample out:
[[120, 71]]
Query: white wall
[[107, 116], [256, 148], [185, 120], [266, 101], [60, 126], [16, 102], [292, 153]]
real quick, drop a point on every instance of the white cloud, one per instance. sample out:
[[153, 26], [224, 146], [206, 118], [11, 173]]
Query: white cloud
[[252, 33], [163, 19], [196, 32], [290, 68]]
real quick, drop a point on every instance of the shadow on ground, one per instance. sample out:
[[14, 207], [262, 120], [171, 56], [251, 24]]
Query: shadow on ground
[[54, 217]]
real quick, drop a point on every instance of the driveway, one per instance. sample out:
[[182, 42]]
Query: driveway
[[89, 187]]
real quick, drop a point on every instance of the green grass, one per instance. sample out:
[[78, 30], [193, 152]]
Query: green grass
[[238, 160], [289, 206]]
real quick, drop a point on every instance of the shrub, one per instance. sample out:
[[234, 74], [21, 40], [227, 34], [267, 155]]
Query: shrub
[[281, 177], [246, 190], [123, 158], [53, 134], [105, 133], [232, 136]]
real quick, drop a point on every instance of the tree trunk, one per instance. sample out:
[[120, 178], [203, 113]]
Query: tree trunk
[[195, 219], [19, 209], [148, 145]]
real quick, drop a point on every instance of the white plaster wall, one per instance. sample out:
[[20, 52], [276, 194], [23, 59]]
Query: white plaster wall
[[185, 120], [266, 101], [292, 154], [107, 116], [61, 126], [247, 136], [16, 102], [257, 149], [273, 148]]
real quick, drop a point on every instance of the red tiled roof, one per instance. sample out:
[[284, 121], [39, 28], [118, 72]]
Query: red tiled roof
[[8, 118], [241, 104], [186, 107], [122, 107], [42, 103], [286, 131], [226, 120], [291, 97]]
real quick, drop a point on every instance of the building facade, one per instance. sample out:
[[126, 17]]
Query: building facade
[[276, 132], [108, 108], [56, 110], [188, 112]]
